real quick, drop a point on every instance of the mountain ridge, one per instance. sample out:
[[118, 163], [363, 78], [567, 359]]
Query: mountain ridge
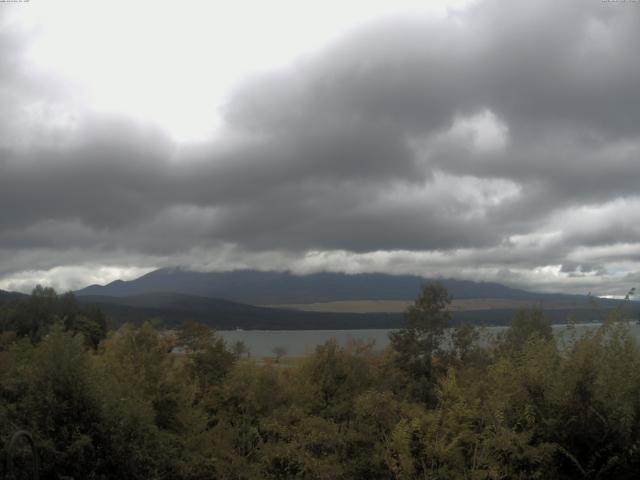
[[264, 288], [174, 308]]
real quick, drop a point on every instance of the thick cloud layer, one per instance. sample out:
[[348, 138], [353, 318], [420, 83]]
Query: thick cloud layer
[[500, 143]]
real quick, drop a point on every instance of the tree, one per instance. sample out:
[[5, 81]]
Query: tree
[[212, 363], [526, 324], [210, 360], [33, 317], [195, 336], [89, 321], [330, 379], [240, 348], [279, 351], [50, 390], [463, 339], [416, 344]]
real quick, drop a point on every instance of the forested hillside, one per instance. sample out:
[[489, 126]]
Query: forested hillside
[[171, 309], [234, 299], [524, 407], [263, 288]]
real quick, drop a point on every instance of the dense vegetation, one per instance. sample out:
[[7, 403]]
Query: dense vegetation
[[524, 407]]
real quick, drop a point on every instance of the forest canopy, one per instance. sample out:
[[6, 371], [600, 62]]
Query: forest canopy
[[437, 404]]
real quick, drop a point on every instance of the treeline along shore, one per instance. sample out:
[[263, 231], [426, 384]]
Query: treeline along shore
[[106, 403]]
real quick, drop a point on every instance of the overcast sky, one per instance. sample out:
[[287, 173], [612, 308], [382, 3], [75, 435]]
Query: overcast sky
[[484, 140]]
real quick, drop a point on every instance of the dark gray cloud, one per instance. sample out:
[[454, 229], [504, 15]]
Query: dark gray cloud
[[501, 143]]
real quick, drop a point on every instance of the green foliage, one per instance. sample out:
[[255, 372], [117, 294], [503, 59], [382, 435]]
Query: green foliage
[[32, 317], [210, 360], [416, 345], [51, 390], [526, 324], [435, 405], [332, 378]]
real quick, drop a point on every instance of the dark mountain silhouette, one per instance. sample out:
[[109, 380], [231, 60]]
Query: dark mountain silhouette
[[265, 288], [4, 295], [171, 309], [136, 301], [173, 295]]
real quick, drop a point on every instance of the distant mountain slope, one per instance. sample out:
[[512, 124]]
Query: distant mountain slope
[[4, 295], [262, 288], [174, 308]]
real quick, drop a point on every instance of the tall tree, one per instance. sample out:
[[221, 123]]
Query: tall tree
[[419, 341]]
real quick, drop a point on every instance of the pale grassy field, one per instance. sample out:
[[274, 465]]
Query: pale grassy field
[[395, 306]]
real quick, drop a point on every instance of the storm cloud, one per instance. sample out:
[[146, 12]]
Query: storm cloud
[[501, 142]]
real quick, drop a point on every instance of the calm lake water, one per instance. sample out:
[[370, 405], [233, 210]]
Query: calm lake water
[[302, 342]]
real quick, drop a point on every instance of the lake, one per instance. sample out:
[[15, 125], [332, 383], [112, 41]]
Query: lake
[[302, 342]]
